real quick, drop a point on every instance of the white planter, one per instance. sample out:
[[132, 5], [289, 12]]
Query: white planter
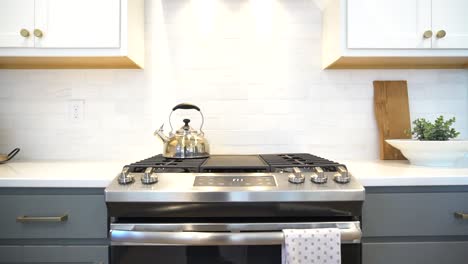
[[431, 153]]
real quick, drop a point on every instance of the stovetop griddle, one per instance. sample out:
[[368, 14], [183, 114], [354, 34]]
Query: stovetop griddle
[[234, 163]]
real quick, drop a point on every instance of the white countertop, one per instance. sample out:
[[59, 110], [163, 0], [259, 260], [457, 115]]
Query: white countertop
[[98, 174], [401, 173], [67, 174]]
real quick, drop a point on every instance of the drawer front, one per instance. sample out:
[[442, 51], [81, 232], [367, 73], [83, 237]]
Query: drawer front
[[54, 254], [85, 216], [415, 253], [414, 214]]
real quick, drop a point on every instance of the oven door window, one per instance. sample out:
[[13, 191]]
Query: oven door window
[[351, 254], [196, 255]]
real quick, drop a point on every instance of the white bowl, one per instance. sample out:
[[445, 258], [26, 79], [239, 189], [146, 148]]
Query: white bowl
[[431, 153]]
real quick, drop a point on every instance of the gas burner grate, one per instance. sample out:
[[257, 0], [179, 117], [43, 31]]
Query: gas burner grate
[[302, 160], [162, 164], [274, 161]]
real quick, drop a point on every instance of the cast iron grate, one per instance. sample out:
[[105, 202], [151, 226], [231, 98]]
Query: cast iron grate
[[162, 164], [275, 161], [301, 160]]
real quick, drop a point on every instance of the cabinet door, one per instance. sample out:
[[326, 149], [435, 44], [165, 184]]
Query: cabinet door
[[415, 252], [452, 17], [16, 15], [54, 254], [414, 214], [78, 23], [384, 24], [86, 216]]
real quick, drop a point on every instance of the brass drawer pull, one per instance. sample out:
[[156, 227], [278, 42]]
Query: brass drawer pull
[[30, 219], [463, 216]]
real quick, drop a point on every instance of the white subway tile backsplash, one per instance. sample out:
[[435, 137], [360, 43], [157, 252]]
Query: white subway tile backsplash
[[418, 91], [100, 77], [93, 92], [6, 124], [438, 106], [253, 66], [424, 76], [34, 77], [6, 90], [455, 76], [449, 91], [31, 90], [336, 77]]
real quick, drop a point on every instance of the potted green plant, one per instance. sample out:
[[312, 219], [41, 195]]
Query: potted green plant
[[433, 143]]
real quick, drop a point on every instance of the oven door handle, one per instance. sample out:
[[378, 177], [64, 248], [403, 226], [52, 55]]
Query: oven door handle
[[350, 235]]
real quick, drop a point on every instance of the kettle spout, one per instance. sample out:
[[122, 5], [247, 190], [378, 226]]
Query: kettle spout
[[160, 134]]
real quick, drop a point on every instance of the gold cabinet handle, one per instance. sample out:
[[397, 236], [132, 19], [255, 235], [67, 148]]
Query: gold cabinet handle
[[427, 34], [461, 215], [24, 33], [441, 34], [30, 219], [38, 33]]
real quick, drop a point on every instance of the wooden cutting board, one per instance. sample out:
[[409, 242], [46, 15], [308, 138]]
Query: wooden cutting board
[[392, 114]]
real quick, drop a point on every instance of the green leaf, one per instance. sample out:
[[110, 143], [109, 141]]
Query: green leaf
[[439, 130]]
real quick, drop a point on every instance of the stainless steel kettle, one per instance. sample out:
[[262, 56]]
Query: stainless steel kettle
[[186, 142]]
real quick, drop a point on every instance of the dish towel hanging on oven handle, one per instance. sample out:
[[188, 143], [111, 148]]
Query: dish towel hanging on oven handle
[[316, 246]]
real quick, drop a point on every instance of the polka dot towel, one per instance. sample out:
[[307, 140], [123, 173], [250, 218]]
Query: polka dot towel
[[315, 246]]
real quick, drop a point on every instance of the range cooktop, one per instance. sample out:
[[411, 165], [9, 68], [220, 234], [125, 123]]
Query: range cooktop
[[233, 163], [235, 178]]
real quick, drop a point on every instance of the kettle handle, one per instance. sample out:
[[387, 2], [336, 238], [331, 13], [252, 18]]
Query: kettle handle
[[187, 106]]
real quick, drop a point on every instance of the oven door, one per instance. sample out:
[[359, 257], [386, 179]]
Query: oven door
[[233, 243]]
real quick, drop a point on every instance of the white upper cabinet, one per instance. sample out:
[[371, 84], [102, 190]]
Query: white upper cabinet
[[395, 34], [16, 23], [71, 34], [388, 24], [78, 23], [450, 17]]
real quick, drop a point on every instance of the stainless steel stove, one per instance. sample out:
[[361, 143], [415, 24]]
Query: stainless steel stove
[[233, 206]]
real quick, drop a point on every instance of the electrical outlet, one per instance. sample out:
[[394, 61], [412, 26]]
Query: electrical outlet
[[76, 110]]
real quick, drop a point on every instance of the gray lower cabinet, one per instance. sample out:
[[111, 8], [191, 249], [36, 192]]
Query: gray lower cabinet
[[45, 225], [54, 254], [414, 214], [415, 225], [415, 252], [83, 216]]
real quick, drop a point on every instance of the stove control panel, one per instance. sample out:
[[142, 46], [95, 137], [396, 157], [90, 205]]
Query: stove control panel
[[295, 175], [234, 181]]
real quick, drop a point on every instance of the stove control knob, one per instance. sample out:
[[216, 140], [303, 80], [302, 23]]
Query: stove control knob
[[296, 176], [342, 176], [319, 176], [125, 177], [149, 177]]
